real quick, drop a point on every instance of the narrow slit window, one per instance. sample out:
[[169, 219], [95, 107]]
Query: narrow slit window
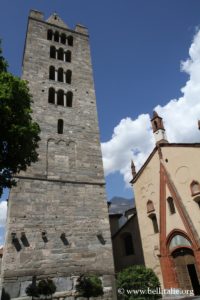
[[68, 56], [154, 222], [63, 38], [68, 76], [61, 54], [51, 96], [60, 98], [53, 52], [51, 73], [60, 126], [60, 74], [56, 36], [49, 35], [171, 205], [70, 40], [69, 99]]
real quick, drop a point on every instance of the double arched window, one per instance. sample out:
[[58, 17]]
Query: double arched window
[[58, 37], [60, 97]]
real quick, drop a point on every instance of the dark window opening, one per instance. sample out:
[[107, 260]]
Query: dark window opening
[[61, 54], [56, 36], [195, 188], [60, 126], [155, 224], [128, 245], [171, 205], [150, 206], [63, 38], [156, 125], [49, 35], [53, 52], [51, 73], [68, 56], [60, 74], [60, 98], [69, 99], [51, 95], [68, 76], [70, 40]]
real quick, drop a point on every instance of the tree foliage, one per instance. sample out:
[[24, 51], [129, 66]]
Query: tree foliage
[[19, 135], [89, 286], [45, 287], [139, 279]]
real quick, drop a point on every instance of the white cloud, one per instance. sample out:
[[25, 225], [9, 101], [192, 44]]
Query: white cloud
[[3, 213], [133, 139]]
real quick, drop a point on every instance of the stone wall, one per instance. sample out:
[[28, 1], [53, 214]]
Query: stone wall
[[57, 221]]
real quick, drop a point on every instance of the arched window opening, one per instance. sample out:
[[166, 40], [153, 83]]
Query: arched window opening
[[60, 126], [154, 222], [63, 38], [56, 36], [195, 188], [53, 52], [156, 125], [68, 56], [60, 98], [171, 205], [60, 74], [128, 244], [51, 95], [49, 35], [61, 54], [51, 73], [178, 241], [150, 206], [68, 76], [69, 99], [70, 40]]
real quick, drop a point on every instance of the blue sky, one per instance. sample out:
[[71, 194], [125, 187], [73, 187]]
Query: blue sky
[[136, 47]]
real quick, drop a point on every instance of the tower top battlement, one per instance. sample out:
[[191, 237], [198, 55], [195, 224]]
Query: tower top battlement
[[55, 20]]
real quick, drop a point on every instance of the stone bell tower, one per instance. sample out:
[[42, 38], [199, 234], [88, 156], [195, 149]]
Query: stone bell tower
[[57, 223]]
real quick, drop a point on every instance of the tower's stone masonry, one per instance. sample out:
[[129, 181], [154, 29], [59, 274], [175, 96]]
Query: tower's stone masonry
[[57, 223]]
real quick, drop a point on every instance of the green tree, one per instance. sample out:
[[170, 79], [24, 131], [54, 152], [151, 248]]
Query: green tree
[[19, 135], [89, 286], [141, 281]]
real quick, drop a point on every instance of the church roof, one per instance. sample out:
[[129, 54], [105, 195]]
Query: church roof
[[157, 147], [54, 19]]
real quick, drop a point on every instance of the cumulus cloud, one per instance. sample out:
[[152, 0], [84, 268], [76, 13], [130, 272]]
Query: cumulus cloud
[[3, 213], [133, 139]]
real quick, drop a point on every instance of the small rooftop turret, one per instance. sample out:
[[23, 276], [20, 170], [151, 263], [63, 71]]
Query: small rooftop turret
[[158, 128]]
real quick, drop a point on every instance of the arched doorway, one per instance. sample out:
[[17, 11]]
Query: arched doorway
[[181, 251]]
